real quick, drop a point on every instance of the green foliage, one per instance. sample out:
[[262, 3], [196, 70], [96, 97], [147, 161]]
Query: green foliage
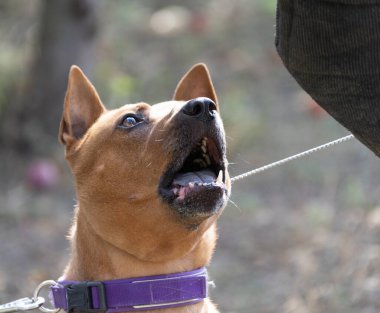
[[269, 6], [353, 193], [319, 214], [122, 86], [11, 69]]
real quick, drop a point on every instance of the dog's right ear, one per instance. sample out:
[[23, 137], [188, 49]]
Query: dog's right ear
[[82, 107], [196, 83]]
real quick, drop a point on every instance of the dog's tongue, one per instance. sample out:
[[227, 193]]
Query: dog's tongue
[[183, 179]]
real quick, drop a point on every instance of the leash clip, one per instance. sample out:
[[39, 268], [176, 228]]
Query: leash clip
[[24, 304], [27, 304]]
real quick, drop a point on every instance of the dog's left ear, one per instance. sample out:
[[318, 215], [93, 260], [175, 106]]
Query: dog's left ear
[[82, 108], [196, 83]]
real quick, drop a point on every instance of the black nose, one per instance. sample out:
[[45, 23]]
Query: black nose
[[202, 108]]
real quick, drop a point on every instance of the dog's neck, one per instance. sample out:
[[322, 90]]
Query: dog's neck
[[93, 258]]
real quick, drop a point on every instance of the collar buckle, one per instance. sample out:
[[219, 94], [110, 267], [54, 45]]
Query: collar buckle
[[86, 297]]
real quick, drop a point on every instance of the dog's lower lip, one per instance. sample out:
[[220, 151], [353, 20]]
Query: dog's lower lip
[[184, 192]]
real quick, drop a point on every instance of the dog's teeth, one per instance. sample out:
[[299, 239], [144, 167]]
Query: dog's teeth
[[220, 177], [204, 149], [191, 184], [207, 159]]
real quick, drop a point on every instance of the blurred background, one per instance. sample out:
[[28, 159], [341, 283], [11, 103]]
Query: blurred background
[[304, 237]]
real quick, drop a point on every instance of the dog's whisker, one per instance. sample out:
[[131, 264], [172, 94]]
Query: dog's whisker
[[160, 139], [150, 163], [235, 205]]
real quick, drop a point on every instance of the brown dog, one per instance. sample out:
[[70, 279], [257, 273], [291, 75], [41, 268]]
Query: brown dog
[[151, 181]]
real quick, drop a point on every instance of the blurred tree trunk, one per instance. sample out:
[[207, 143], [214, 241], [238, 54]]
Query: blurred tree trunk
[[66, 36]]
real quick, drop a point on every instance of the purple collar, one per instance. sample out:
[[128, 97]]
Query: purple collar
[[133, 294]]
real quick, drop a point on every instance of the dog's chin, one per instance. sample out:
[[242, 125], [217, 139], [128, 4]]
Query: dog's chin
[[200, 201]]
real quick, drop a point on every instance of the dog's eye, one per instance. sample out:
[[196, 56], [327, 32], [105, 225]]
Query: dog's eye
[[130, 120]]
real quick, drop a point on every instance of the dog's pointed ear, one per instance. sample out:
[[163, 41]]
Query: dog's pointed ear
[[196, 83], [82, 107]]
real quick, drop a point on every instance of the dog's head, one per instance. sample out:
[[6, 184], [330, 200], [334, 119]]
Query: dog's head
[[148, 175]]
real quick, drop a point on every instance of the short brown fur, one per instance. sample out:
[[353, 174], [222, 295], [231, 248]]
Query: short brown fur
[[122, 227]]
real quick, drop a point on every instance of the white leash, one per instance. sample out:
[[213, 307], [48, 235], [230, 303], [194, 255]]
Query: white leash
[[291, 158]]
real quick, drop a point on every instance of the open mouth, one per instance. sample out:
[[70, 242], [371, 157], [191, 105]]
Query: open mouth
[[197, 184]]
